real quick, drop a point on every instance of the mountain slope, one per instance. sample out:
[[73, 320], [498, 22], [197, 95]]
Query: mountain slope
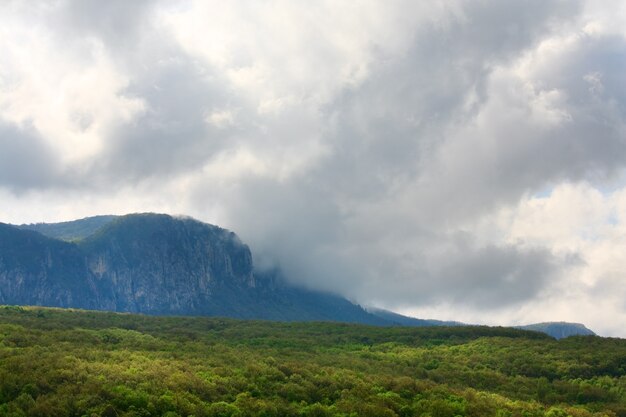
[[37, 270], [400, 320], [153, 264]]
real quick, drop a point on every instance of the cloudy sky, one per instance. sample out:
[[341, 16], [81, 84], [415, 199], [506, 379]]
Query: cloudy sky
[[446, 159]]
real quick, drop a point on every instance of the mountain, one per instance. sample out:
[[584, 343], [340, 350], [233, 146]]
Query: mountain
[[559, 330], [400, 320], [162, 265], [153, 264]]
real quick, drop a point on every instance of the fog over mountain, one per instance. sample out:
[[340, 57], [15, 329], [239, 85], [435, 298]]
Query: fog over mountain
[[457, 160]]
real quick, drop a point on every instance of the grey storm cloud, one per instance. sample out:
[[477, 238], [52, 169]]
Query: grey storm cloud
[[491, 276], [118, 23], [359, 184], [172, 135], [26, 160]]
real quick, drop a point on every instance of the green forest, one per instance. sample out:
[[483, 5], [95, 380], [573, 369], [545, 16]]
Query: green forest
[[56, 362]]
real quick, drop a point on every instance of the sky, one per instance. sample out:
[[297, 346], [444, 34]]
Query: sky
[[460, 160]]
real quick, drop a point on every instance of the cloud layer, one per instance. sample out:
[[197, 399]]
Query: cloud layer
[[457, 160]]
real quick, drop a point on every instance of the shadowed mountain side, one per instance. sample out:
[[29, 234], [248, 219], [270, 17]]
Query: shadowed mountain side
[[38, 270], [163, 265], [401, 320], [155, 264]]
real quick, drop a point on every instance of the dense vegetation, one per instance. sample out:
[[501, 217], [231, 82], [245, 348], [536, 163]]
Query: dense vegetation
[[74, 363]]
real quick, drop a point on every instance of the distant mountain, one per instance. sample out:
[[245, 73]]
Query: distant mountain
[[559, 330], [163, 265]]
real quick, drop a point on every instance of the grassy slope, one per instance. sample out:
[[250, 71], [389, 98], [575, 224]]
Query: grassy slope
[[63, 362]]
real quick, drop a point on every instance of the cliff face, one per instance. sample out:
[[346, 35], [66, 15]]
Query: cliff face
[[153, 264], [159, 264], [38, 270]]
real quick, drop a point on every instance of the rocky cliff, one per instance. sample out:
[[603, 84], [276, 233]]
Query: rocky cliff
[[160, 264], [38, 270], [152, 264]]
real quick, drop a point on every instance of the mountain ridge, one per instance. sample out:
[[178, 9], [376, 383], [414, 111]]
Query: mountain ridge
[[169, 265], [70, 230], [154, 264]]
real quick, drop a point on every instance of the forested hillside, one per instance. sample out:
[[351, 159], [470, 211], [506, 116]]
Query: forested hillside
[[73, 363]]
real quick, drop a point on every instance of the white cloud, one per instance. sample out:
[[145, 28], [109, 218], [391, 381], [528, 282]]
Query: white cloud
[[67, 89], [578, 219], [221, 118]]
